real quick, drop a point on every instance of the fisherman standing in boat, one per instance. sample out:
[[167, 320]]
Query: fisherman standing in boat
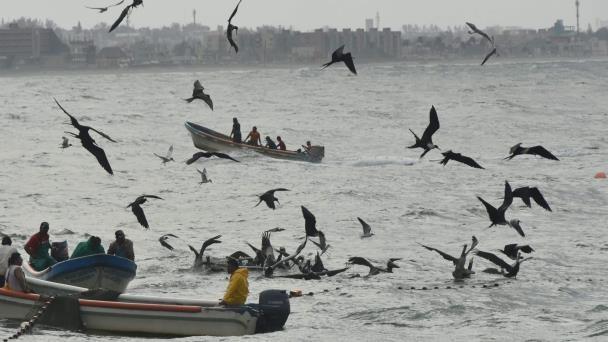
[[15, 278], [38, 248], [238, 286], [308, 147], [253, 138], [90, 247], [122, 247], [6, 250], [236, 131], [281, 145]]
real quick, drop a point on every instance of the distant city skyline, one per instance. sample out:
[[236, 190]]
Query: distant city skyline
[[311, 14]]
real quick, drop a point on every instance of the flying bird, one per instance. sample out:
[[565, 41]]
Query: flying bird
[[87, 141], [512, 250], [490, 54], [198, 256], [104, 9], [168, 157], [497, 216], [340, 56], [449, 155], [534, 150], [367, 230], [474, 30], [426, 143], [233, 28], [138, 211], [163, 241], [270, 269], [269, 199], [310, 223], [460, 271], [525, 193], [374, 270], [322, 244], [199, 93], [65, 143], [125, 12], [204, 178], [199, 155], [511, 270]]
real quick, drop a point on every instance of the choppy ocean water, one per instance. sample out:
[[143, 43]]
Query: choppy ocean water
[[363, 122]]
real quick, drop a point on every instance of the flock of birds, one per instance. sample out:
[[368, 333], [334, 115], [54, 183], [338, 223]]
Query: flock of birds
[[264, 258]]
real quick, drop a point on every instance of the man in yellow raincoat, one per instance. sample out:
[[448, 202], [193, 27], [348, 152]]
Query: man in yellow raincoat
[[238, 287]]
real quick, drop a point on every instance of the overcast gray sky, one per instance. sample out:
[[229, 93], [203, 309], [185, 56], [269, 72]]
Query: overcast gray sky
[[310, 14]]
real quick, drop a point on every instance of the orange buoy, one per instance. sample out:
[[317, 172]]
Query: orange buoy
[[600, 175]]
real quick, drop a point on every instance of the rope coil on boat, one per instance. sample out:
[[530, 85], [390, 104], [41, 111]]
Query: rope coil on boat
[[28, 325]]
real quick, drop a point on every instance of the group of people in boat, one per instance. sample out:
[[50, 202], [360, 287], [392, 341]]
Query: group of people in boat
[[38, 246], [254, 138]]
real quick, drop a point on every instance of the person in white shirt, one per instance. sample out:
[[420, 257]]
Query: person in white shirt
[[6, 250], [15, 278]]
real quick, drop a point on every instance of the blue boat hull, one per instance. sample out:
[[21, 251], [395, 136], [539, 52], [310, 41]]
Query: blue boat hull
[[92, 272]]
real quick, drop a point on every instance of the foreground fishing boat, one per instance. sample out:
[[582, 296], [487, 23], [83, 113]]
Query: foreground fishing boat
[[148, 315], [209, 140], [99, 271]]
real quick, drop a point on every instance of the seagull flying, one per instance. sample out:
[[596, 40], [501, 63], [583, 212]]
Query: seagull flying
[[87, 141], [103, 9], [199, 93], [233, 28], [534, 150], [269, 199], [138, 211], [168, 157], [322, 244], [125, 12], [426, 143], [340, 56], [204, 178], [199, 155], [367, 230], [449, 155], [65, 143]]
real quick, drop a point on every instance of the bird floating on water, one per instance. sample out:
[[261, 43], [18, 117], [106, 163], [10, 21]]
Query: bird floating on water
[[168, 157], [125, 12], [138, 211], [233, 28], [199, 155], [449, 155], [426, 143], [269, 199], [534, 150], [497, 216], [199, 93], [340, 56], [104, 9], [88, 142]]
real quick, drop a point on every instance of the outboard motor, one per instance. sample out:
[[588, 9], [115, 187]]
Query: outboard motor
[[274, 310]]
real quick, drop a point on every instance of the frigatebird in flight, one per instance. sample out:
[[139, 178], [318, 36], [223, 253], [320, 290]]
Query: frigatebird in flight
[[198, 93], [199, 155], [340, 56], [460, 271], [526, 192], [374, 270], [512, 250], [449, 155], [426, 143], [138, 211], [233, 28], [104, 9], [88, 142], [511, 270], [269, 199], [163, 241], [497, 216], [125, 12], [534, 150], [474, 30]]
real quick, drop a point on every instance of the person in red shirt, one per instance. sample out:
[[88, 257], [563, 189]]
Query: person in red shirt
[[281, 145], [38, 248]]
